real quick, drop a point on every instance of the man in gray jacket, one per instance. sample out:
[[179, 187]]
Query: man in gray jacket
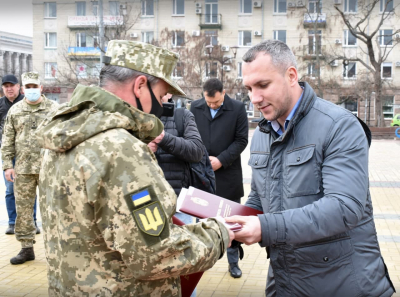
[[309, 159]]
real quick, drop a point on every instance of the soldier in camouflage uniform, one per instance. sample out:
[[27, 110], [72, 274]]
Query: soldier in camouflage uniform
[[19, 141], [106, 206]]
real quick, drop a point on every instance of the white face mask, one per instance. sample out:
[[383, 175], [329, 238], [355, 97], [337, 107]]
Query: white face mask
[[32, 95]]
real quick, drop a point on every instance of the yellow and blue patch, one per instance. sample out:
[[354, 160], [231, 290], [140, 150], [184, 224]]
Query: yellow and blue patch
[[141, 198]]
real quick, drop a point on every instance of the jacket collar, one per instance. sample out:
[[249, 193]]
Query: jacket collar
[[228, 105], [305, 106]]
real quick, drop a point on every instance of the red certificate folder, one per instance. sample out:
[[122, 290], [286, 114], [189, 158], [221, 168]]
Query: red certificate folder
[[203, 205], [188, 282]]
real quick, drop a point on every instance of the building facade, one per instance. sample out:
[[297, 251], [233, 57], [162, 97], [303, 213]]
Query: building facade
[[15, 54], [66, 43]]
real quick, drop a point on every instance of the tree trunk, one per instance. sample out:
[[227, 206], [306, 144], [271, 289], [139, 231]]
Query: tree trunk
[[379, 117]]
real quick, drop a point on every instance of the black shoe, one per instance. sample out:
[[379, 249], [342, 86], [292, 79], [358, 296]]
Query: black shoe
[[37, 229], [10, 229], [26, 254], [235, 270]]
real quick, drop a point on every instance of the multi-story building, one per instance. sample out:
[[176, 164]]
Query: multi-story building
[[336, 63]]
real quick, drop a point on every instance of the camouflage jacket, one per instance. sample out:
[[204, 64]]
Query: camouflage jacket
[[19, 139], [106, 206]]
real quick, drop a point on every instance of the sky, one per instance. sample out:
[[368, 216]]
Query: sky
[[16, 17]]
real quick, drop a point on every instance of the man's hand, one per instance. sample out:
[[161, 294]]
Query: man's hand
[[10, 174], [153, 145], [160, 137], [215, 163], [231, 237], [251, 230]]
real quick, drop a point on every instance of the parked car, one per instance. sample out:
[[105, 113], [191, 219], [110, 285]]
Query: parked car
[[395, 121]]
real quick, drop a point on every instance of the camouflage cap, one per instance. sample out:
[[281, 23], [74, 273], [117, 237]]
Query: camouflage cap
[[30, 78], [145, 58]]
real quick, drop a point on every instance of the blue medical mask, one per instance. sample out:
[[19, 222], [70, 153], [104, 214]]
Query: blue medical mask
[[32, 95]]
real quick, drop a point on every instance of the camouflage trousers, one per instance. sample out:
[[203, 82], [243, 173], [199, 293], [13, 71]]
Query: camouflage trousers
[[25, 193]]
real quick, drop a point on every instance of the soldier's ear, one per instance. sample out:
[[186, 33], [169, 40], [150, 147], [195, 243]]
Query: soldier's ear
[[22, 90], [139, 86], [41, 89]]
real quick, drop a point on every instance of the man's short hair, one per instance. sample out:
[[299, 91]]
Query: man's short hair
[[212, 86], [281, 55], [111, 74]]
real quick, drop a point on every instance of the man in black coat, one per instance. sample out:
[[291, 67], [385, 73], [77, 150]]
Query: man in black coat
[[223, 126]]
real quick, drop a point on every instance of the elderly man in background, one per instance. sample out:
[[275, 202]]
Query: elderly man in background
[[19, 142]]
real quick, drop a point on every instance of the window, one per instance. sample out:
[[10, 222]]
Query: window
[[280, 35], [350, 5], [314, 42], [211, 14], [246, 6], [211, 69], [178, 7], [280, 6], [349, 103], [385, 37], [80, 8], [386, 70], [244, 38], [349, 39], [315, 6], [148, 36], [178, 71], [50, 9], [81, 70], [95, 7], [114, 7], [312, 70], [350, 70], [95, 70], [81, 39], [211, 37], [387, 107], [87, 40], [147, 7], [50, 40], [50, 70], [178, 38], [239, 70], [388, 4]]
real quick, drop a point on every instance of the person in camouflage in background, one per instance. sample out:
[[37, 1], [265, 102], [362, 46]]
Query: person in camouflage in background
[[19, 141], [106, 206]]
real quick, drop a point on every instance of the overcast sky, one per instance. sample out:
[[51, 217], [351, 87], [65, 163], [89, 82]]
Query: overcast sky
[[16, 17]]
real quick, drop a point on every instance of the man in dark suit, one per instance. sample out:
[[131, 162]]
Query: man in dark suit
[[223, 126]]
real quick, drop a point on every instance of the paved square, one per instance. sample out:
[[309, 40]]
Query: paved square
[[30, 279]]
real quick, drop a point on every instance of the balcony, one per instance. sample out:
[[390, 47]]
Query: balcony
[[314, 18], [310, 52], [94, 21], [210, 21], [84, 52]]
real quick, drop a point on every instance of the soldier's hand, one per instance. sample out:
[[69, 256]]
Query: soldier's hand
[[231, 237], [10, 174]]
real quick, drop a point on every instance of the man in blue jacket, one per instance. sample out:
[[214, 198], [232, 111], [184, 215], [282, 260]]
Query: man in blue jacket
[[309, 162]]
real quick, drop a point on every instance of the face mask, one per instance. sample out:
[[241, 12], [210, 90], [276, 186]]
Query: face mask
[[32, 95], [156, 108]]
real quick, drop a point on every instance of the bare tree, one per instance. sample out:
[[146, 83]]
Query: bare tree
[[84, 67], [196, 63], [378, 44]]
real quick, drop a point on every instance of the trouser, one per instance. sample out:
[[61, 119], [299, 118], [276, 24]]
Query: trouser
[[233, 253], [25, 193], [10, 201]]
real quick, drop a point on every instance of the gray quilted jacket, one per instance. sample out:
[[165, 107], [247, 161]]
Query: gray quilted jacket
[[312, 185]]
